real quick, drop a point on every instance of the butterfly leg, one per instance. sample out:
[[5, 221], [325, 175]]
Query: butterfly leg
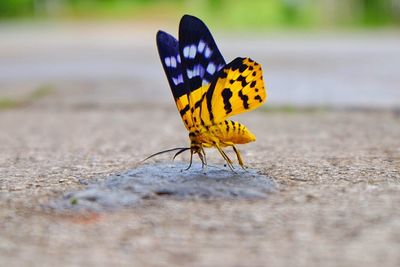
[[204, 154], [205, 159], [202, 157], [226, 158], [191, 158], [239, 157]]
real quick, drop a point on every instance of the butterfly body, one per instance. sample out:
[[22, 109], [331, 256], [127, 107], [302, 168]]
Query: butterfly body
[[207, 90], [223, 134]]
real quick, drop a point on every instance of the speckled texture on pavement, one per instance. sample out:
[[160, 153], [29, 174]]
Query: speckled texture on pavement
[[337, 203]]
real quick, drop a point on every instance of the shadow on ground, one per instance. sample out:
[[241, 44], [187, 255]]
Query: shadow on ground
[[149, 181]]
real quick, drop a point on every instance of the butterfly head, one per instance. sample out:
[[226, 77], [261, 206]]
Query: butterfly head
[[195, 144], [195, 148]]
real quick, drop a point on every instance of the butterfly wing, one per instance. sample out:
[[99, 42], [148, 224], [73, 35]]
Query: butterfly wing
[[201, 61], [237, 88], [200, 55], [168, 50], [205, 89]]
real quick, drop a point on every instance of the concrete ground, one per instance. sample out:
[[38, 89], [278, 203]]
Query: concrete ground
[[337, 172]]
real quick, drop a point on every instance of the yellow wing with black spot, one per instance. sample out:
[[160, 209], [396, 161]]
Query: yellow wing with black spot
[[238, 88]]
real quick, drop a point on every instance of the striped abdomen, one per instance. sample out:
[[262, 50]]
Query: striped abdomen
[[231, 131]]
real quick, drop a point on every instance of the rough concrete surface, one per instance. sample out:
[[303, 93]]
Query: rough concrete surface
[[337, 202], [133, 187], [336, 173]]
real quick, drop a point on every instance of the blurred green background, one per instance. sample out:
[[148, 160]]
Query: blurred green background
[[228, 13]]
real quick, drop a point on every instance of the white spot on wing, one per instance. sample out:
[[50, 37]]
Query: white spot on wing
[[201, 46], [211, 68], [202, 70], [186, 51], [173, 62], [178, 58], [177, 80], [204, 82], [198, 70], [208, 52], [220, 66], [192, 52], [167, 61], [190, 74]]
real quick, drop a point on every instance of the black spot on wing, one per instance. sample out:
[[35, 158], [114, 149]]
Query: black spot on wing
[[237, 64], [195, 83], [243, 68], [184, 110], [209, 95], [223, 74], [242, 79], [226, 96], [198, 103], [244, 99], [257, 97], [179, 90]]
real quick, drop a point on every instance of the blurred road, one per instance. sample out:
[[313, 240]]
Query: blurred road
[[115, 62]]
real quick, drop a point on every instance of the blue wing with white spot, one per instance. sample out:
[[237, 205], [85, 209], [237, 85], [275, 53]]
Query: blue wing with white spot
[[201, 58], [168, 49], [190, 64]]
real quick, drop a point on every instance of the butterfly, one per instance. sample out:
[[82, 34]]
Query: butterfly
[[207, 91]]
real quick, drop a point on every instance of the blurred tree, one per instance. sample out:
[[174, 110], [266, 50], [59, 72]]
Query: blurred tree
[[13, 8], [236, 13], [48, 7], [376, 12]]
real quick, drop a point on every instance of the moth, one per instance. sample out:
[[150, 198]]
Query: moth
[[207, 91]]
